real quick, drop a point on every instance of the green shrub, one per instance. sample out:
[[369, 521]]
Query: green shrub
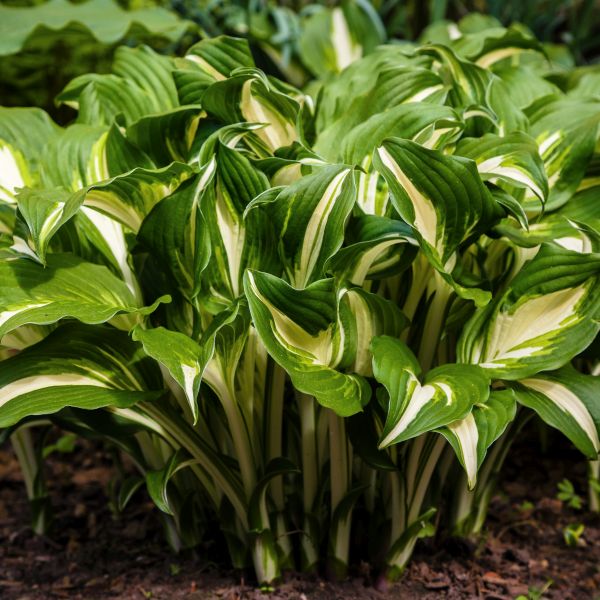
[[291, 306]]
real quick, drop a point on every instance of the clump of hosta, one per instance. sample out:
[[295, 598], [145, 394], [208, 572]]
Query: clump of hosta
[[294, 307]]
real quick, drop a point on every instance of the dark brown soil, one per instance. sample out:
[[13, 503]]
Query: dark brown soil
[[92, 555]]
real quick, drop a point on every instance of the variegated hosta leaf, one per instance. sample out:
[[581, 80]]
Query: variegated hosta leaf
[[249, 96], [525, 85], [333, 38], [23, 337], [219, 56], [310, 217], [447, 394], [474, 434], [239, 136], [571, 226], [222, 345], [513, 159], [548, 314], [210, 60], [567, 400], [378, 247], [363, 124], [126, 198], [513, 207], [566, 131], [372, 192], [191, 83], [179, 354], [150, 71], [101, 239], [574, 226], [365, 77], [77, 365], [176, 131], [427, 124], [470, 82], [129, 198], [83, 155], [238, 240], [66, 287], [490, 46], [23, 135], [99, 99], [441, 197], [364, 316], [89, 234], [176, 236], [399, 84], [301, 331], [44, 212], [507, 117]]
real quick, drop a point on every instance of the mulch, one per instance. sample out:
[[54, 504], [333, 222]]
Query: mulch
[[91, 554]]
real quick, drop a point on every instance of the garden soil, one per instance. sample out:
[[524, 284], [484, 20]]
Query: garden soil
[[91, 555]]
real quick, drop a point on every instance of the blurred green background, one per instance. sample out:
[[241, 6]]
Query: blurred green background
[[45, 44]]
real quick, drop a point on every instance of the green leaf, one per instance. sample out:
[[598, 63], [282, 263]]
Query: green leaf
[[83, 155], [525, 85], [99, 99], [176, 131], [176, 236], [105, 20], [513, 159], [367, 316], [300, 330], [566, 131], [379, 248], [363, 436], [80, 366], [23, 134], [180, 355], [566, 400], [474, 434], [157, 481], [130, 197], [151, 72], [222, 345], [547, 316], [239, 240], [332, 38], [400, 104], [470, 82], [447, 395], [258, 515], [67, 287], [310, 216], [44, 212], [249, 96], [142, 84], [442, 197], [127, 490], [428, 124], [493, 45], [219, 56]]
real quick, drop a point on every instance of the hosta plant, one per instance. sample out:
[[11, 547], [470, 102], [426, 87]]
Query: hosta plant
[[317, 317]]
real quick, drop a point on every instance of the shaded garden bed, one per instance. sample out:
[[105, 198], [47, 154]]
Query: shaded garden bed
[[91, 554]]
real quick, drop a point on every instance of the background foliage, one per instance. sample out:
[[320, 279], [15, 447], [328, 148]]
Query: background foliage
[[44, 48]]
